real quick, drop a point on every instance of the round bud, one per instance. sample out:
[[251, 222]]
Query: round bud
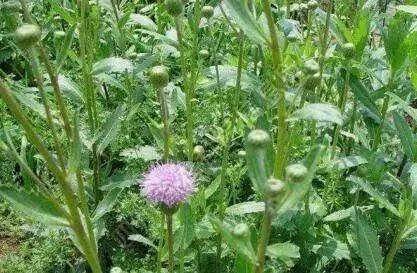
[[259, 139], [207, 12], [241, 154], [116, 270], [174, 7], [241, 230], [349, 50], [27, 35], [311, 67], [295, 173], [298, 76], [312, 81], [204, 54], [198, 152], [275, 187], [159, 76], [11, 6], [312, 4]]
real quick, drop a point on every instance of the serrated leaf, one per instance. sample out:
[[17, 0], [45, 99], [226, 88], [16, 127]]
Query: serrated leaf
[[144, 21], [368, 245], [35, 205], [348, 162], [106, 204], [332, 248], [147, 153], [318, 112], [109, 129]]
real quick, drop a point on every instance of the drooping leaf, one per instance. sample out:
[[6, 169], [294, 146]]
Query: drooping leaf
[[35, 205], [246, 208], [362, 94], [318, 112], [144, 21], [286, 252], [142, 239], [240, 13], [109, 129], [112, 65], [406, 136], [119, 180]]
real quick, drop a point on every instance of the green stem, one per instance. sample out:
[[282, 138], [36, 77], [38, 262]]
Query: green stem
[[170, 242], [160, 244], [264, 239], [282, 111], [393, 249], [165, 120]]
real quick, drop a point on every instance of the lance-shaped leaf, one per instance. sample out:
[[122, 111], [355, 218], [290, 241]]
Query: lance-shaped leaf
[[35, 205], [286, 252], [406, 136], [106, 204], [243, 17], [141, 239], [109, 129]]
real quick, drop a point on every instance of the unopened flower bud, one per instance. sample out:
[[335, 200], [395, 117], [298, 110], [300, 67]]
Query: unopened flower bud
[[241, 154], [204, 54], [275, 187], [311, 67], [159, 76], [295, 173], [27, 35], [174, 7], [198, 152], [207, 12], [349, 50], [241, 230], [116, 270], [312, 4], [259, 139]]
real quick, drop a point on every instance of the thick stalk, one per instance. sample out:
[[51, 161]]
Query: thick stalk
[[165, 120], [282, 111], [394, 248]]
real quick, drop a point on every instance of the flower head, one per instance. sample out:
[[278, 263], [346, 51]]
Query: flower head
[[168, 184]]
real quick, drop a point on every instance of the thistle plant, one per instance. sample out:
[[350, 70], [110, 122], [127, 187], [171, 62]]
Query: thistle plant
[[168, 186]]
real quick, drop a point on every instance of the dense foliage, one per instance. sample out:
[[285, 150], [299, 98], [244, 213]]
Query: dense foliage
[[240, 136]]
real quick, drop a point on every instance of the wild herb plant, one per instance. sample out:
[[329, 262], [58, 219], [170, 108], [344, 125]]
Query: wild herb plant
[[210, 136]]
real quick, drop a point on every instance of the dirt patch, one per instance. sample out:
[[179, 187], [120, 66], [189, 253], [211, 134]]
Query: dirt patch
[[8, 244]]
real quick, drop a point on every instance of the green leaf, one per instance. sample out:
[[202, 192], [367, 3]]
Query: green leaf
[[286, 252], [348, 162], [65, 47], [368, 245], [112, 65], [406, 136], [120, 181], [382, 200], [332, 248], [68, 86], [147, 153], [242, 264], [35, 205], [141, 239], [66, 14], [318, 112], [246, 208], [336, 27], [106, 204], [109, 129], [362, 94], [187, 220], [240, 13], [408, 8], [361, 30], [212, 188], [144, 21]]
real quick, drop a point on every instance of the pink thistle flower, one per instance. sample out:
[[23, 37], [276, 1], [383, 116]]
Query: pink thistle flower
[[168, 184]]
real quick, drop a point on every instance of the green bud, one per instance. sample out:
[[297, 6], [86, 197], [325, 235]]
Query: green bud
[[116, 270], [298, 76], [11, 6], [311, 67], [207, 12], [241, 230], [275, 187], [349, 50], [204, 54], [259, 139], [174, 7], [27, 35], [59, 35], [159, 76], [312, 4], [198, 152], [295, 173]]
